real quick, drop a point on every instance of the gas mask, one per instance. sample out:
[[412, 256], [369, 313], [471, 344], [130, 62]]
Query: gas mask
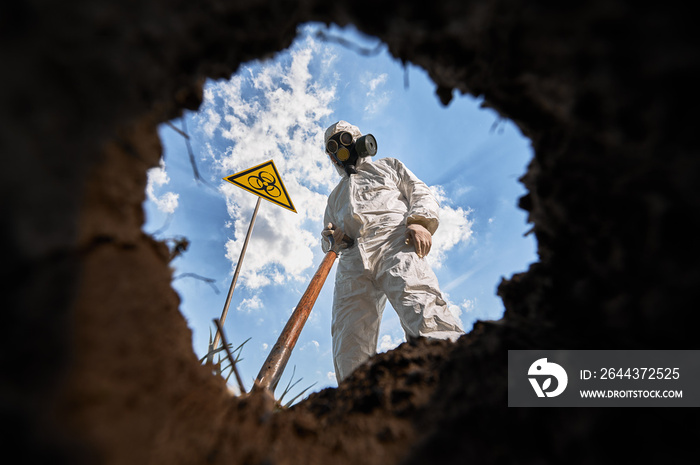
[[346, 152]]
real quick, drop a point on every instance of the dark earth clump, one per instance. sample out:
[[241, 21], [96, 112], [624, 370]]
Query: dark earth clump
[[96, 359]]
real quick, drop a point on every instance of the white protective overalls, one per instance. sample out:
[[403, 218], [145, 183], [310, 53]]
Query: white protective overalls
[[374, 207]]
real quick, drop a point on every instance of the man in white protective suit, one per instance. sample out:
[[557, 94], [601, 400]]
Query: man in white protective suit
[[391, 215]]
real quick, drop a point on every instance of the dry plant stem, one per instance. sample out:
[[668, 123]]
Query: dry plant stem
[[178, 130], [229, 354]]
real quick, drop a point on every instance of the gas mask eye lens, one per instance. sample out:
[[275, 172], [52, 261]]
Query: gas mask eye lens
[[345, 138], [332, 146]]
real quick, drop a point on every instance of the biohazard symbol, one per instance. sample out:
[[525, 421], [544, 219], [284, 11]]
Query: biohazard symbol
[[264, 180]]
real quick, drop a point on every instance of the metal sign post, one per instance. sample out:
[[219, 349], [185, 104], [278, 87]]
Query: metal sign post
[[235, 276], [264, 181]]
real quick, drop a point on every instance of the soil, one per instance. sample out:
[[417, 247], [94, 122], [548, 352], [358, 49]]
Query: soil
[[97, 360]]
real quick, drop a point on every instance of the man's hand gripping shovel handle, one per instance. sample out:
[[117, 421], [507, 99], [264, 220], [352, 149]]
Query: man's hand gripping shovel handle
[[347, 241]]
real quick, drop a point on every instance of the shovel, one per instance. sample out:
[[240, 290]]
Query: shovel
[[272, 369]]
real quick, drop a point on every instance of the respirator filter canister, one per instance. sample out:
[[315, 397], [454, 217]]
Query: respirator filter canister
[[342, 147]]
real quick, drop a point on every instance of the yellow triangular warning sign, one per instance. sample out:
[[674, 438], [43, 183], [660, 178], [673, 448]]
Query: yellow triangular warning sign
[[264, 180]]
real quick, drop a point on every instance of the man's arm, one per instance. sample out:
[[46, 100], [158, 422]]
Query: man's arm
[[423, 218], [423, 208]]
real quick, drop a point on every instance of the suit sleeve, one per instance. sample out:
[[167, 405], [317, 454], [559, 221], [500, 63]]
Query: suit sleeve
[[423, 208]]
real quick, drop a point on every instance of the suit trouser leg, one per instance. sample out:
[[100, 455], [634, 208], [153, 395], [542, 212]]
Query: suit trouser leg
[[412, 288], [357, 312]]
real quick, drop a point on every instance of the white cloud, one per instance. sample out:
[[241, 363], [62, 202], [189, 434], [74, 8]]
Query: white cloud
[[157, 177], [376, 98], [212, 118], [251, 304], [376, 82], [455, 227], [386, 342], [331, 376], [475, 312], [469, 305], [456, 310], [274, 110], [314, 344], [265, 346], [462, 190]]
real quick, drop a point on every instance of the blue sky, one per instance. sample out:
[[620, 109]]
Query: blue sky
[[278, 109]]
